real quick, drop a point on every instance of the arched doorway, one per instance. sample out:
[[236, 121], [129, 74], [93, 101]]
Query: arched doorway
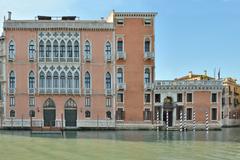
[[49, 113], [70, 113]]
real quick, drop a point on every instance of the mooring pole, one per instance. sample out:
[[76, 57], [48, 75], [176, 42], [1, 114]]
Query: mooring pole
[[207, 127], [157, 120], [194, 121], [185, 121], [181, 119], [167, 120]]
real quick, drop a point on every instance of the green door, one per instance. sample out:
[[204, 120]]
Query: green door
[[70, 117], [49, 116]]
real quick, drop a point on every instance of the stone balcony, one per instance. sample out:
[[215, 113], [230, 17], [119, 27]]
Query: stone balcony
[[149, 55], [108, 92], [148, 86], [121, 55], [121, 86]]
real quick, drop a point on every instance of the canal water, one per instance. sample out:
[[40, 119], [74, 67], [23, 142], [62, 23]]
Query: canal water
[[122, 145]]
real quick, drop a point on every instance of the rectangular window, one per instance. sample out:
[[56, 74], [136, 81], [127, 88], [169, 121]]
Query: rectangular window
[[119, 45], [214, 97], [31, 101], [189, 97], [120, 114], [147, 114], [214, 114], [147, 21], [12, 101], [223, 101], [109, 102], [120, 97], [147, 98], [179, 97], [189, 113], [87, 101], [157, 98], [120, 21], [230, 100]]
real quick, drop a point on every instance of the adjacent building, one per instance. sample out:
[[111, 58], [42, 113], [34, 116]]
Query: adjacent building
[[231, 102], [197, 97], [67, 72]]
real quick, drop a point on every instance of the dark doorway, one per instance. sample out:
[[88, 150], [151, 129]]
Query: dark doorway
[[49, 113], [70, 113]]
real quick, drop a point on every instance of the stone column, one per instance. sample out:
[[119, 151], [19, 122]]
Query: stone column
[[162, 115]]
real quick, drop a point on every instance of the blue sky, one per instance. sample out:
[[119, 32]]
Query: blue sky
[[191, 35]]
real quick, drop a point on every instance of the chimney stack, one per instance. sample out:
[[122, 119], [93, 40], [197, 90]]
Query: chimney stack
[[9, 15]]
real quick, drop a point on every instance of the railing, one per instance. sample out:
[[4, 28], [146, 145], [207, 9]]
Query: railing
[[189, 82], [149, 55], [87, 91], [31, 90], [108, 92], [58, 59], [11, 90], [59, 91], [108, 58], [121, 55], [87, 57], [121, 86]]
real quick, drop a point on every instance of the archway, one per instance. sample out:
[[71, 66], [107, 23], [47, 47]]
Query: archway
[[49, 113], [168, 110], [70, 113]]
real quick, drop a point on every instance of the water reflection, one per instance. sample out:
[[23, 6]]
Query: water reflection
[[226, 135]]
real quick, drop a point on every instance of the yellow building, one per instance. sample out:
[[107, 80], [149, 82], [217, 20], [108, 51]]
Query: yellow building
[[231, 102]]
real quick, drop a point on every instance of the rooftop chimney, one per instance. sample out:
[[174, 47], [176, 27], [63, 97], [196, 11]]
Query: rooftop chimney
[[9, 15]]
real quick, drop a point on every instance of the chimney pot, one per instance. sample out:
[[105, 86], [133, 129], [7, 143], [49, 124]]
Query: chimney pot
[[9, 15]]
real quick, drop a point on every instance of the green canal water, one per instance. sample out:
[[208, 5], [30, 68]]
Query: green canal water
[[121, 145]]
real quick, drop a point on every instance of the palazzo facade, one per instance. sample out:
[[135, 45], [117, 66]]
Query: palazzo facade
[[67, 72]]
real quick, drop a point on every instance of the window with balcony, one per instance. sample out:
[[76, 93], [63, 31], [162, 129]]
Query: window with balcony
[[49, 80], [62, 51], [108, 81], [41, 51], [62, 80], [120, 45], [42, 80], [147, 45], [76, 51], [147, 22], [76, 80], [31, 82], [87, 51], [55, 51], [12, 81], [119, 75], [55, 80], [69, 51], [31, 51], [108, 51], [11, 50], [87, 80], [147, 76], [69, 80], [48, 51]]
